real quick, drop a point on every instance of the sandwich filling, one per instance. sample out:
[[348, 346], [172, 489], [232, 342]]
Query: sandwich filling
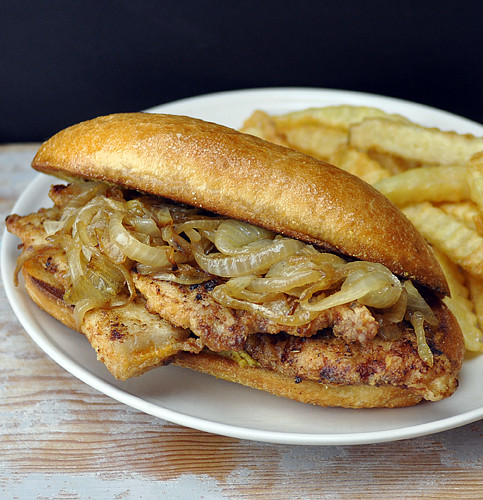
[[233, 288]]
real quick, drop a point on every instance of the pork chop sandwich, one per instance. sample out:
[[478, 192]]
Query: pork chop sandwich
[[181, 241]]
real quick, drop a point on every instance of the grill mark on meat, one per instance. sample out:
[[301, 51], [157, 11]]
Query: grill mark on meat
[[222, 328], [52, 290]]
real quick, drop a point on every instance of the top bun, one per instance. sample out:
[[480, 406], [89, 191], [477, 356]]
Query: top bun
[[241, 176]]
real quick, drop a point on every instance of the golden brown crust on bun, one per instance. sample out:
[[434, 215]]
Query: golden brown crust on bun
[[241, 176]]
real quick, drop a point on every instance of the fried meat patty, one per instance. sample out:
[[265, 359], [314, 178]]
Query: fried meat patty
[[332, 361], [223, 328]]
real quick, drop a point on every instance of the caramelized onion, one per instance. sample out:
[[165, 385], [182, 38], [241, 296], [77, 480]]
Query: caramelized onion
[[370, 285], [285, 283], [255, 261], [417, 303], [395, 313], [100, 284], [135, 249], [52, 226], [204, 224], [145, 225], [417, 320], [279, 310], [233, 236], [384, 289], [75, 258], [239, 288], [184, 275]]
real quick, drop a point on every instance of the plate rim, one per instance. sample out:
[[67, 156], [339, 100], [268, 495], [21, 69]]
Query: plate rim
[[46, 344]]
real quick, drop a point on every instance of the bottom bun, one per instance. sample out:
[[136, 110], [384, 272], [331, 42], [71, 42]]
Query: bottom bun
[[305, 391]]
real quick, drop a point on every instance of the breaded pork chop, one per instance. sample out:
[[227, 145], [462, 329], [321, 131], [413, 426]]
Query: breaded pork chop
[[223, 328], [219, 327], [335, 362]]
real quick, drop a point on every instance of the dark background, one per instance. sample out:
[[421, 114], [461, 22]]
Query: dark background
[[63, 61]]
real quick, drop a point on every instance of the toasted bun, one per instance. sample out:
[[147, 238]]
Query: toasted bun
[[241, 176]]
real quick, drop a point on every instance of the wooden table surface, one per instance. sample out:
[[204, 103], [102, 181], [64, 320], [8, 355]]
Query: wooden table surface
[[61, 439]]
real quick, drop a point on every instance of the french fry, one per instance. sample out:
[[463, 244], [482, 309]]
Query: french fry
[[477, 159], [466, 212], [462, 245], [315, 140], [460, 305], [262, 125], [427, 145], [476, 294], [392, 163], [359, 164], [475, 179], [342, 116], [434, 183]]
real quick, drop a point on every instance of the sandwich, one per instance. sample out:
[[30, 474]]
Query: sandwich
[[175, 240]]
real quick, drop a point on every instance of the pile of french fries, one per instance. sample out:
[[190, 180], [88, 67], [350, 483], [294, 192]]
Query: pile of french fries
[[435, 177]]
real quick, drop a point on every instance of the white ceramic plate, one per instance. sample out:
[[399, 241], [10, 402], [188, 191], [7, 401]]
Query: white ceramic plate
[[202, 402]]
